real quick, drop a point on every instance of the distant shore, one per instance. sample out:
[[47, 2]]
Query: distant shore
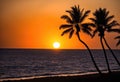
[[112, 77]]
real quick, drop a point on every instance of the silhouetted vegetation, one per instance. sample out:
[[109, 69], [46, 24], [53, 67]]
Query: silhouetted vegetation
[[75, 25], [118, 43], [102, 23]]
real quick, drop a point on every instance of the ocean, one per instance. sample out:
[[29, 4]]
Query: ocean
[[21, 63]]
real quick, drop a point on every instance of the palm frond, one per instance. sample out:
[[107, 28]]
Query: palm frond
[[67, 18], [71, 13], [90, 24], [86, 28], [93, 20], [106, 14], [63, 26], [118, 43], [66, 31], [114, 30], [84, 15], [118, 37], [113, 23], [100, 16], [86, 31], [71, 33], [94, 33], [76, 15], [81, 12], [109, 18]]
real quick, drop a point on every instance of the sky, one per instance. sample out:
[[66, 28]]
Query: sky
[[35, 23]]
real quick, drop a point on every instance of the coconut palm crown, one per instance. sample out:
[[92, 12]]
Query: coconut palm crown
[[75, 21], [103, 22]]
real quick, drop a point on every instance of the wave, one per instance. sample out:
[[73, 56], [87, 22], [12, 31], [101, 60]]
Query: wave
[[48, 75]]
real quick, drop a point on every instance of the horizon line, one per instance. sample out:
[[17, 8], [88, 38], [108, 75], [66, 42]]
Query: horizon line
[[54, 49]]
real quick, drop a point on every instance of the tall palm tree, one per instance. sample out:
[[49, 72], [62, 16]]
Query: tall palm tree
[[104, 23], [118, 43], [75, 24]]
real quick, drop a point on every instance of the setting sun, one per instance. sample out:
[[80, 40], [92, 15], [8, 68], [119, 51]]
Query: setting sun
[[56, 44]]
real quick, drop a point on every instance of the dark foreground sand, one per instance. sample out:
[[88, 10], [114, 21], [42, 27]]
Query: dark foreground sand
[[113, 77]]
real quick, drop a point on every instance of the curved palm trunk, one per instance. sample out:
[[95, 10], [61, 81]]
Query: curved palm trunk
[[105, 55], [111, 51], [90, 53]]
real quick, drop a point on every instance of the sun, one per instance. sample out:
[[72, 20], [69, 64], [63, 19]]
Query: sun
[[56, 45]]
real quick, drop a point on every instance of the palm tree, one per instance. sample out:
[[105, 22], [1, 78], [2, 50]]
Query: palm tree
[[104, 23], [75, 24], [118, 43]]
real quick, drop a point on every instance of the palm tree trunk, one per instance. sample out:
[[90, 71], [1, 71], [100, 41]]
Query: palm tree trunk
[[105, 55], [111, 51], [90, 53]]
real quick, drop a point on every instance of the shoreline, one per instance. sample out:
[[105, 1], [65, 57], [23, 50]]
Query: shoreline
[[47, 76], [94, 77]]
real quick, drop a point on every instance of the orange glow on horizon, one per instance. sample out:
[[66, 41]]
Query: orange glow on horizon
[[35, 23]]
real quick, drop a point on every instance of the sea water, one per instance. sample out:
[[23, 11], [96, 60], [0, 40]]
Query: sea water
[[20, 63]]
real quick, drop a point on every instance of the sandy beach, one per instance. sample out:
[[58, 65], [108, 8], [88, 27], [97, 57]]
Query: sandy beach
[[112, 77]]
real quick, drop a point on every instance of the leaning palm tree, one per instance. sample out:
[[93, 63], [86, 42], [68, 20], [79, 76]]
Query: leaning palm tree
[[118, 43], [75, 25], [104, 23]]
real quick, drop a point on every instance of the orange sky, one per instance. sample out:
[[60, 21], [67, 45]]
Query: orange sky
[[35, 23]]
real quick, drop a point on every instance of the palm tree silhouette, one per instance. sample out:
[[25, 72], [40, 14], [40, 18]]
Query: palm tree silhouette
[[104, 23], [75, 24], [118, 43]]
